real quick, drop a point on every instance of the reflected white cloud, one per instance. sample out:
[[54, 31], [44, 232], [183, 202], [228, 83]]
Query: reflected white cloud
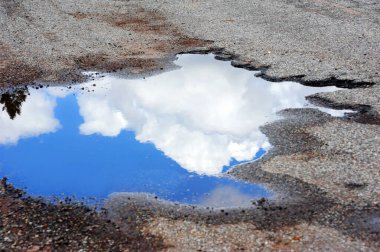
[[201, 116], [37, 117], [226, 196]]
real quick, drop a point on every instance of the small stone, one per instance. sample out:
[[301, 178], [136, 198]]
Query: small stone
[[7, 239]]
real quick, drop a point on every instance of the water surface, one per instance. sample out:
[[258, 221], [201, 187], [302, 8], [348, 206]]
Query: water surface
[[172, 134]]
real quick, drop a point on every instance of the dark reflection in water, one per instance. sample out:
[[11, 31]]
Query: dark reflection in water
[[12, 102]]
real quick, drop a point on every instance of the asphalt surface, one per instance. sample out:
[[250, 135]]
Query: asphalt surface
[[325, 170]]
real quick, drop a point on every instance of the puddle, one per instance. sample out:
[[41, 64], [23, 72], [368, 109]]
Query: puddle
[[172, 134]]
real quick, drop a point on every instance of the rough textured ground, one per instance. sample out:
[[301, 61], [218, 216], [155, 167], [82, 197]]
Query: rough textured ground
[[229, 237], [56, 40], [317, 39], [28, 224], [327, 170]]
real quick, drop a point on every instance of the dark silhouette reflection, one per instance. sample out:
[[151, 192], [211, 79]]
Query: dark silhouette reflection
[[13, 101]]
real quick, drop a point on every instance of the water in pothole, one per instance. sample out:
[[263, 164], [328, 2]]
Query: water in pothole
[[172, 135]]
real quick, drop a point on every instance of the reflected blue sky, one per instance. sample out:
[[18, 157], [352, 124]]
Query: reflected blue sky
[[69, 163], [171, 134]]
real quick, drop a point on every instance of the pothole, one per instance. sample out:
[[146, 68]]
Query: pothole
[[173, 134]]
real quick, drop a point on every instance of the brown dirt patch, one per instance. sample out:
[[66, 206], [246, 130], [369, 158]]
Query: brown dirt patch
[[5, 55], [139, 21], [103, 62], [15, 73], [138, 42]]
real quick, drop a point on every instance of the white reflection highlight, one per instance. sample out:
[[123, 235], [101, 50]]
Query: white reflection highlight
[[37, 117], [201, 116], [226, 196]]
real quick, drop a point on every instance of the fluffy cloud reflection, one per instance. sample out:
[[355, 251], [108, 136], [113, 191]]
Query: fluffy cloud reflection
[[227, 196], [202, 115], [37, 117]]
